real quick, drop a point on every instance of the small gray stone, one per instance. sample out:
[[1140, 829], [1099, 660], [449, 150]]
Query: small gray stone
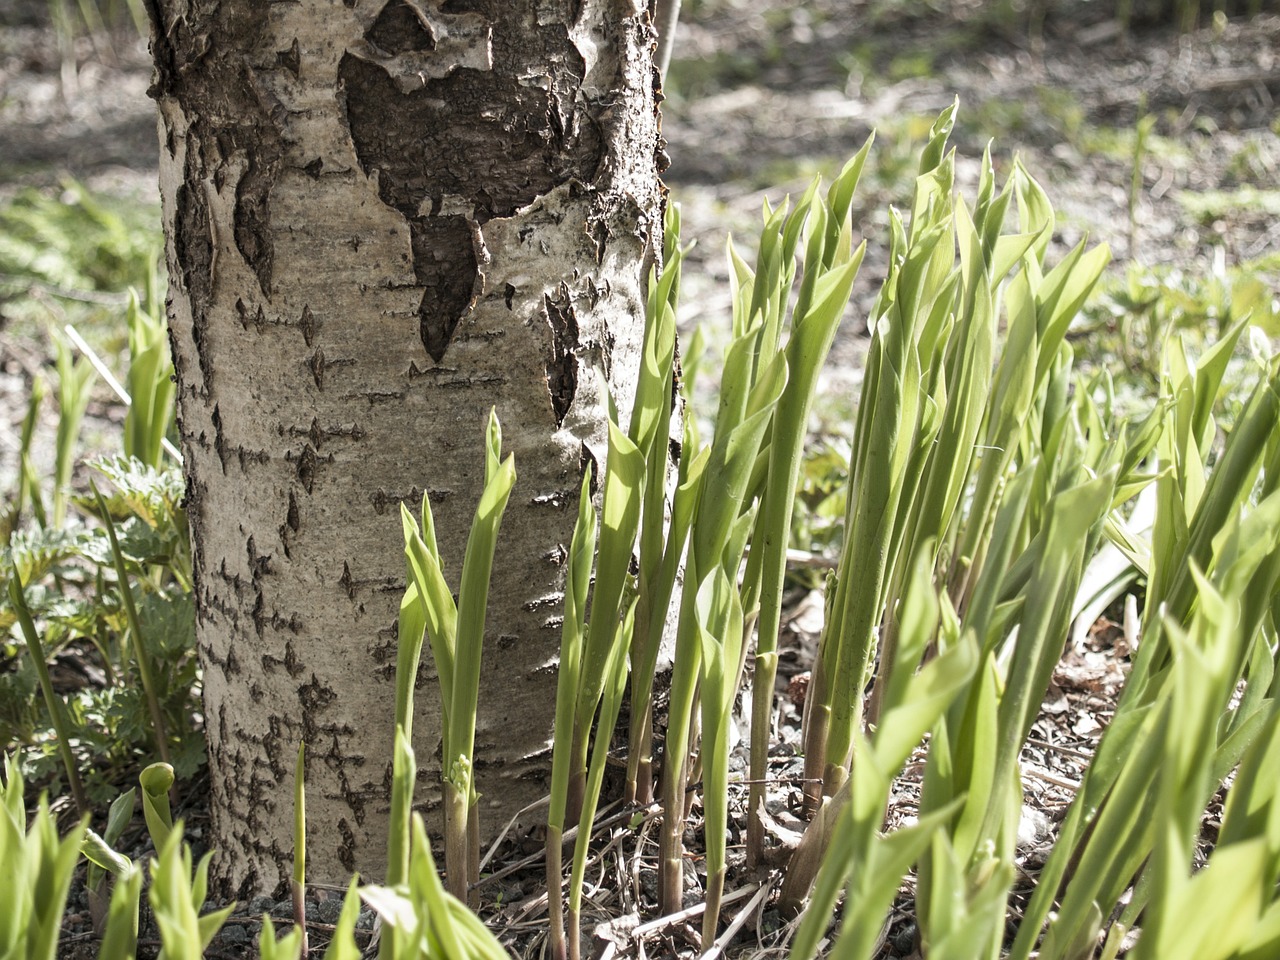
[[234, 933], [328, 911], [283, 910]]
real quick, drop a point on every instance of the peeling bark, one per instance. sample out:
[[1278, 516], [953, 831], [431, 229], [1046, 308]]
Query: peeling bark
[[383, 218]]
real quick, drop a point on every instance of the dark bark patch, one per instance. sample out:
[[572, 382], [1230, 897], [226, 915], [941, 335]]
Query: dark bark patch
[[383, 500], [444, 264], [192, 239], [315, 696], [201, 63], [315, 363], [497, 139], [259, 612], [219, 439], [562, 365], [291, 517], [347, 849], [309, 324], [290, 59], [259, 564], [245, 457], [308, 462], [292, 663], [400, 29], [193, 246], [253, 220], [258, 318]]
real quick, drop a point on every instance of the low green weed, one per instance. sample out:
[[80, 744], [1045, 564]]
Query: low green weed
[[75, 255], [1124, 329], [103, 579]]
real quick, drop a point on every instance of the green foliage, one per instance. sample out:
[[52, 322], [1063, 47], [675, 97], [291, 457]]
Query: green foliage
[[456, 633], [73, 580], [1125, 328], [76, 254], [177, 894], [105, 582], [37, 869], [982, 474]]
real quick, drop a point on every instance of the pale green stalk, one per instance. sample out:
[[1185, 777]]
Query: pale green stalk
[[683, 510], [57, 708], [39, 869], [847, 850], [1101, 834], [151, 389], [74, 378], [404, 772], [720, 636], [141, 655], [887, 420], [887, 423], [288, 947], [624, 480], [28, 484], [156, 781], [298, 882], [342, 946], [178, 891], [830, 269], [103, 860], [428, 922], [577, 582], [120, 935], [456, 633], [610, 704], [745, 410], [650, 421]]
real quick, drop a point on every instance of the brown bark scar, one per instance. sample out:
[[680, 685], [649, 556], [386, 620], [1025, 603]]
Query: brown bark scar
[[419, 69]]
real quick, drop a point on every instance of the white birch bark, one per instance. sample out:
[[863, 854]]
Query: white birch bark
[[384, 217]]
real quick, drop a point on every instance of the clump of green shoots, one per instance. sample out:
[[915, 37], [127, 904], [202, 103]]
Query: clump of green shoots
[[456, 632]]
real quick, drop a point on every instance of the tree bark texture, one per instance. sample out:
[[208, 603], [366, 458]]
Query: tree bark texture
[[384, 217]]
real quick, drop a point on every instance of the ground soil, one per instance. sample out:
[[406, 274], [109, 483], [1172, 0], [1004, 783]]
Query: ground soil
[[762, 96]]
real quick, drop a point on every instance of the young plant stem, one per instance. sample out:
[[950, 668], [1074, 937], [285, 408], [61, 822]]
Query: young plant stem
[[140, 654], [57, 709], [577, 583], [675, 759], [298, 882], [456, 858], [615, 674]]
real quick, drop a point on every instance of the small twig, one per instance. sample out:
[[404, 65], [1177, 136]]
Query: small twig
[[1048, 777], [1058, 748], [493, 847], [739, 919], [688, 913], [571, 833], [668, 14]]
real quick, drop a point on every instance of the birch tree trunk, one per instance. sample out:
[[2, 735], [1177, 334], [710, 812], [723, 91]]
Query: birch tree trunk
[[384, 217]]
